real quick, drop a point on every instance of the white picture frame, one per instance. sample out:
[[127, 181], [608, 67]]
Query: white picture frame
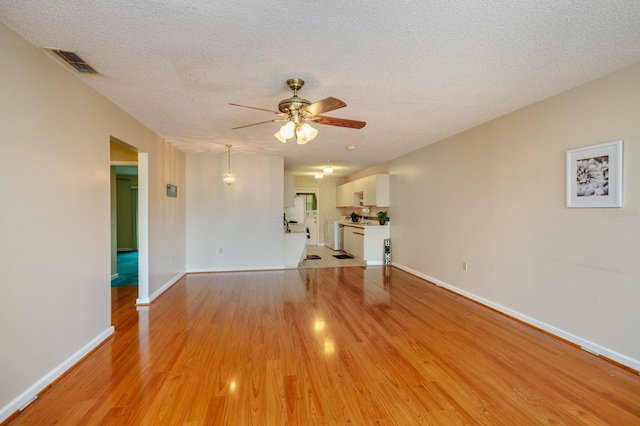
[[594, 176]]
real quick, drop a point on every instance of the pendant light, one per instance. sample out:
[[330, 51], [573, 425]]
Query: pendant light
[[229, 178]]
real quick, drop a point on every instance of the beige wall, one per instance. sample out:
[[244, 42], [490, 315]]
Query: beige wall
[[494, 197], [236, 227], [55, 292]]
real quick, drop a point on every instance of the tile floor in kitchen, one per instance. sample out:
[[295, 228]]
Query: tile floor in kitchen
[[326, 258]]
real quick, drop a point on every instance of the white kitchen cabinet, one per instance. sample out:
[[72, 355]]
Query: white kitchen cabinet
[[371, 191], [344, 195], [373, 244], [366, 242], [354, 241], [376, 190], [357, 185]]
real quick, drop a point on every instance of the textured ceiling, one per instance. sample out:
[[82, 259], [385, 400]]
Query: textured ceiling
[[415, 71]]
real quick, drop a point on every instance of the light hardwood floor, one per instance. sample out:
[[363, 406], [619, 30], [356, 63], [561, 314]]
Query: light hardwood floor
[[330, 346]]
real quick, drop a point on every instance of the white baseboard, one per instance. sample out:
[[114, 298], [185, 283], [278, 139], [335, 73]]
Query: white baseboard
[[586, 345], [154, 296], [244, 269], [33, 391]]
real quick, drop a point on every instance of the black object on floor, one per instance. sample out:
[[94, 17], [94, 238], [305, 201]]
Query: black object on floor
[[313, 257], [342, 256]]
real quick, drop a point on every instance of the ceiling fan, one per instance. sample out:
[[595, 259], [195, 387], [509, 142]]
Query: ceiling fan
[[297, 112]]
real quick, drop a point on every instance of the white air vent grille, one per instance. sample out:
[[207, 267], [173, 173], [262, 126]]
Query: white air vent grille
[[75, 61]]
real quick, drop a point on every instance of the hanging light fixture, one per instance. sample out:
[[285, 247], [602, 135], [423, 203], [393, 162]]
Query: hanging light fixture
[[302, 132], [229, 178]]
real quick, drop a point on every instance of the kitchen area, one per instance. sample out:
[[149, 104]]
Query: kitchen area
[[346, 226]]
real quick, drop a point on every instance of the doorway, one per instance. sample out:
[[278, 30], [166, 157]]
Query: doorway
[[312, 213], [127, 208], [127, 226], [129, 177]]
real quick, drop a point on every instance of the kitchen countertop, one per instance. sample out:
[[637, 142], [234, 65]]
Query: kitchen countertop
[[369, 224]]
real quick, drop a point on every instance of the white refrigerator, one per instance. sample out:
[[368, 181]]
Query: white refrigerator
[[306, 219], [297, 213]]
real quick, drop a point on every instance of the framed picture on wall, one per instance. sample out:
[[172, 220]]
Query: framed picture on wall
[[172, 191], [594, 176]]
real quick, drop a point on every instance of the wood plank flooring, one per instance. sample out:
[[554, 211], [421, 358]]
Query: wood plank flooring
[[330, 346]]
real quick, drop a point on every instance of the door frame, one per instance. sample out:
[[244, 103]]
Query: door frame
[[143, 222], [315, 191]]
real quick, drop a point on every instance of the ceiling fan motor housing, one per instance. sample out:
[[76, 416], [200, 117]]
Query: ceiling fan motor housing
[[294, 103]]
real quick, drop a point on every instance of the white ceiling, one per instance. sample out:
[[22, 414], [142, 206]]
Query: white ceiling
[[415, 71]]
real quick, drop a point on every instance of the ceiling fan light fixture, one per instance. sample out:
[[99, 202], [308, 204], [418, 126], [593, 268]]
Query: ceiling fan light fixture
[[305, 133], [301, 139], [287, 131], [296, 110], [280, 137], [309, 132]]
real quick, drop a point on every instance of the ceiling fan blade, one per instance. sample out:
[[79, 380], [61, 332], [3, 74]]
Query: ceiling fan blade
[[259, 109], [325, 105], [341, 122], [277, 120]]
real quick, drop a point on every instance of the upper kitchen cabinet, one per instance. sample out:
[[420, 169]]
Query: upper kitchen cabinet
[[370, 191], [375, 191], [344, 195], [289, 191]]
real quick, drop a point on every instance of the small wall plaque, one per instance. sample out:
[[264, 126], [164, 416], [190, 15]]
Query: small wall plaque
[[172, 191]]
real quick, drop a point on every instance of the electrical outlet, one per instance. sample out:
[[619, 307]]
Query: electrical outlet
[[464, 266]]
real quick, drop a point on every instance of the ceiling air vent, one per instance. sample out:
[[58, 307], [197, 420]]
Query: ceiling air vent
[[75, 61]]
